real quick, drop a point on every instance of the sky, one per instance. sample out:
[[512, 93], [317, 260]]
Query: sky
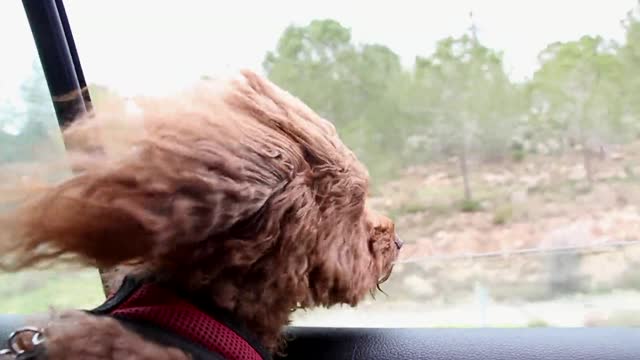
[[154, 46]]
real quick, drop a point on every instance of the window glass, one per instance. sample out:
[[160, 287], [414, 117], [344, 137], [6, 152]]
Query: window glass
[[503, 137], [29, 139]]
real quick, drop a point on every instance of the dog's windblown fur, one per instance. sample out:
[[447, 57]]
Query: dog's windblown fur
[[235, 192]]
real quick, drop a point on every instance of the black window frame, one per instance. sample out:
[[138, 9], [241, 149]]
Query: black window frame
[[61, 65], [59, 58]]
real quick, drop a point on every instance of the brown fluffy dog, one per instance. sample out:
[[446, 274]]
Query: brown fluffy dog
[[235, 191]]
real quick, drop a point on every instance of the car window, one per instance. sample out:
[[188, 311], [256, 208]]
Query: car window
[[29, 140], [503, 137]]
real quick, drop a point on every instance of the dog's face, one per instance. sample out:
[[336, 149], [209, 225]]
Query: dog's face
[[345, 266], [385, 244]]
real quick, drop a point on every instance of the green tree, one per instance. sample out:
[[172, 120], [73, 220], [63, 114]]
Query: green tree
[[629, 54], [29, 130], [355, 86], [40, 133], [467, 97], [310, 62], [578, 95]]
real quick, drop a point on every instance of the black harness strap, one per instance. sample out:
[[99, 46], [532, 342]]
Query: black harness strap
[[151, 332]]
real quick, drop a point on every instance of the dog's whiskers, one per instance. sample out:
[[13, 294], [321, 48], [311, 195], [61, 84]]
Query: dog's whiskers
[[386, 276], [382, 291], [380, 281]]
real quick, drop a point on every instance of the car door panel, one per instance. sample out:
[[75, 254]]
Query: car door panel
[[463, 344]]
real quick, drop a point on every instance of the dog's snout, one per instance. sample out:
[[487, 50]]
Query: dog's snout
[[398, 242]]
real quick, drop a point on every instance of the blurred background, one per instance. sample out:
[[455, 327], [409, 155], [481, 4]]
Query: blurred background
[[503, 137]]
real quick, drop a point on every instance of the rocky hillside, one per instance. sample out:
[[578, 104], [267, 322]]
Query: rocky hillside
[[542, 202]]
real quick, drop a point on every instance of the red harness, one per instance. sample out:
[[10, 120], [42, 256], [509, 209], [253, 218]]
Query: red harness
[[154, 305]]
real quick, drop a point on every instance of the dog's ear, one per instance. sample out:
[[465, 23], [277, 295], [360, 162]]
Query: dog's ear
[[324, 254], [326, 240], [196, 171], [140, 211]]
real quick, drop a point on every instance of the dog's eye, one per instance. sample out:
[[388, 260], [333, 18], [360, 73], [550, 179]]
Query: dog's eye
[[398, 242]]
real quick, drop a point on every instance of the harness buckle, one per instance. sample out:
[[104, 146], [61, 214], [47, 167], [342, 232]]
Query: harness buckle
[[18, 350]]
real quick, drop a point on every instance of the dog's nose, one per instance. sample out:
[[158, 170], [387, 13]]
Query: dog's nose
[[398, 242]]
